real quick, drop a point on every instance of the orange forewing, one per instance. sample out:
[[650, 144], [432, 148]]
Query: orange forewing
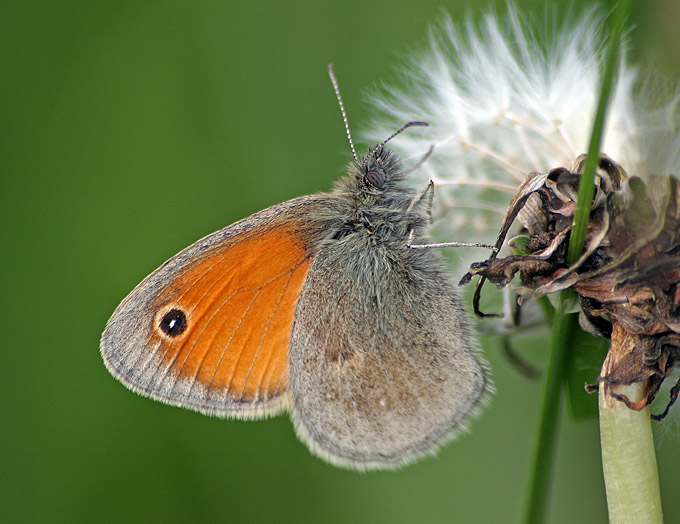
[[239, 301]]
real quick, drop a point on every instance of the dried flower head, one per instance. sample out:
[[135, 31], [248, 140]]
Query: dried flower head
[[628, 277]]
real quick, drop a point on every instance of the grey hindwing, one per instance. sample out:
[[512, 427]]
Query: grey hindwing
[[383, 367]]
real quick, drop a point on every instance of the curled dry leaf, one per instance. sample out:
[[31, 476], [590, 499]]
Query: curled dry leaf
[[628, 277]]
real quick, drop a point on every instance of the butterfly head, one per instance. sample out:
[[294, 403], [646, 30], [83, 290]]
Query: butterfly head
[[377, 171]]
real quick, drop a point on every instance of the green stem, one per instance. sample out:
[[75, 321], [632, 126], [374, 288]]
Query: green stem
[[628, 456], [628, 459], [586, 188], [544, 457]]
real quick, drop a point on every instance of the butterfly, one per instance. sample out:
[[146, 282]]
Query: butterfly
[[322, 306]]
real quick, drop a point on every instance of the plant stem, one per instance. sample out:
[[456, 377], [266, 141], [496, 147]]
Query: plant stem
[[628, 459], [587, 187], [544, 457]]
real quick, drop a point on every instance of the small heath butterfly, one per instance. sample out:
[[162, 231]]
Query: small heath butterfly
[[319, 306]]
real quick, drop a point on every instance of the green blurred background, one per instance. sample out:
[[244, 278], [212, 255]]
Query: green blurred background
[[130, 129]]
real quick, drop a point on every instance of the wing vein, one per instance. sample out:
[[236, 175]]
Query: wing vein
[[264, 336]]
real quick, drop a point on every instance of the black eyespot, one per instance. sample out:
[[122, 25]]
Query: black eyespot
[[174, 323], [376, 178]]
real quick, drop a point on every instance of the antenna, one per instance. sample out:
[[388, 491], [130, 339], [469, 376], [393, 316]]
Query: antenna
[[334, 81], [400, 130], [403, 128]]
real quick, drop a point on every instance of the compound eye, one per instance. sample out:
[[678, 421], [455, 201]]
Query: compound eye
[[376, 178]]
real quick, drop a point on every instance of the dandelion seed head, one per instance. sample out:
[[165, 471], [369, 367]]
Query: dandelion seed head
[[505, 97]]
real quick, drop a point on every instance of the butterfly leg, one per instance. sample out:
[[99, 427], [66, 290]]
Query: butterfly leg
[[425, 198]]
